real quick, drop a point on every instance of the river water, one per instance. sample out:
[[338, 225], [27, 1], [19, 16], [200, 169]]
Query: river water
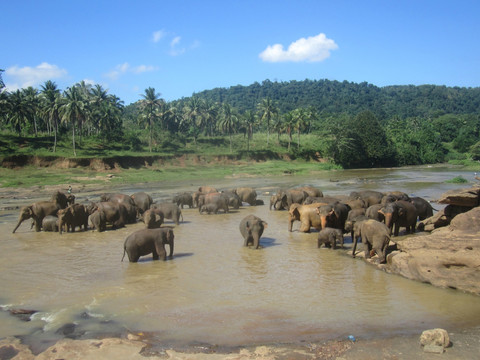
[[214, 290]]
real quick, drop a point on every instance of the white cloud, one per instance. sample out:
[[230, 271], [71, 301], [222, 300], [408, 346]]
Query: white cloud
[[23, 77], [311, 49], [121, 69], [158, 35], [174, 46]]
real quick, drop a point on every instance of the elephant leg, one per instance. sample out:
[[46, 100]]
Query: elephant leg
[[333, 241], [368, 248], [133, 255], [305, 226], [159, 251]]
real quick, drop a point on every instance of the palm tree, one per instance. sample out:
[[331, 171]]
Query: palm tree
[[151, 105], [267, 112], [73, 110], [228, 121], [249, 120], [33, 102], [50, 97], [193, 113], [20, 112], [299, 119]]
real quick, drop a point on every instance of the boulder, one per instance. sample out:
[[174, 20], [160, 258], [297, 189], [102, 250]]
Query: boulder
[[463, 197], [435, 337]]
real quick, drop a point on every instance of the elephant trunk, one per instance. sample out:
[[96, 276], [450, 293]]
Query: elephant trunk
[[323, 221], [18, 224], [389, 220], [291, 219]]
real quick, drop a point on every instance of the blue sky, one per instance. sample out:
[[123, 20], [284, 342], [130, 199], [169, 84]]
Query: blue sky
[[181, 47]]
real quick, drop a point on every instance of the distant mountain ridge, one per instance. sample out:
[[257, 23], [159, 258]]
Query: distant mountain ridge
[[331, 97]]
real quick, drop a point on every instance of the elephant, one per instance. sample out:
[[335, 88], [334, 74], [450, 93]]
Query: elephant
[[73, 216], [210, 208], [357, 204], [153, 218], [329, 236], [170, 211], [127, 201], [352, 217], [207, 189], [183, 199], [306, 214], [149, 241], [400, 213], [50, 223], [333, 215], [115, 213], [392, 196], [276, 202], [372, 212], [246, 194], [311, 191], [142, 201], [219, 199], [375, 236], [234, 200], [252, 227], [370, 197], [37, 211], [62, 199], [424, 208], [98, 220]]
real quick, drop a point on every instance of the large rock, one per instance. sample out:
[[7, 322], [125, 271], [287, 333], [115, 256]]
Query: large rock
[[463, 197], [449, 257]]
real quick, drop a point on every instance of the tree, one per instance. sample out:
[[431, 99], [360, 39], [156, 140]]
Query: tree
[[20, 112], [50, 104], [193, 113], [268, 110], [150, 105], [228, 121], [73, 110]]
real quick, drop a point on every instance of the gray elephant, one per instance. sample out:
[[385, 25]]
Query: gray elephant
[[375, 238], [149, 241], [329, 236], [234, 200], [115, 213], [209, 208], [183, 199], [311, 191], [170, 211], [352, 217], [73, 216], [37, 211], [142, 201], [424, 208], [333, 215], [98, 220], [218, 199], [372, 212], [252, 227], [153, 218], [400, 214], [50, 223], [127, 201], [246, 194], [276, 202], [371, 197]]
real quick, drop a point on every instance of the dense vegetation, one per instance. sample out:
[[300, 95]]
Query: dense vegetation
[[353, 125]]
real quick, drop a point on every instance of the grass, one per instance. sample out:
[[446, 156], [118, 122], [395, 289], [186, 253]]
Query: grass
[[457, 180]]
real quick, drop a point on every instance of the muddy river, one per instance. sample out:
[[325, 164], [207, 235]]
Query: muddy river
[[214, 290]]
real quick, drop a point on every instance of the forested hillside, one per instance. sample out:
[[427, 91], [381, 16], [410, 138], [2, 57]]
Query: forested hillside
[[352, 125]]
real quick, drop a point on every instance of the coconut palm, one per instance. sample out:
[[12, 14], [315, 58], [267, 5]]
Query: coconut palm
[[151, 105], [50, 104], [228, 121], [73, 110], [268, 110], [20, 112], [194, 115]]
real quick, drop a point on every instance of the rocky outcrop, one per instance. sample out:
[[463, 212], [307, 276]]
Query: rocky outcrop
[[449, 257]]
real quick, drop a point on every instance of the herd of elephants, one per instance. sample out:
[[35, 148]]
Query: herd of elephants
[[368, 215]]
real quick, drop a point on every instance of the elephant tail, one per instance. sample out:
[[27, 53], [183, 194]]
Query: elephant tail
[[124, 250]]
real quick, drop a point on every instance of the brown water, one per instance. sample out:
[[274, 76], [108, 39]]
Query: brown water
[[216, 291]]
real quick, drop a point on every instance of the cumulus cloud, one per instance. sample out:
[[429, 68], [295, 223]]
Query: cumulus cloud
[[22, 77], [121, 69], [311, 49], [158, 35], [175, 48]]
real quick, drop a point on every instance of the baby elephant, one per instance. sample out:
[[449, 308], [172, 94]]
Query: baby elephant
[[148, 241], [98, 220], [329, 236], [209, 209], [50, 223], [251, 228]]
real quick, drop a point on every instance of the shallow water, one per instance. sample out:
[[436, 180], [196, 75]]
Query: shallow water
[[216, 291]]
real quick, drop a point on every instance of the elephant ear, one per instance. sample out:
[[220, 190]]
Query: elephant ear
[[401, 211], [265, 225]]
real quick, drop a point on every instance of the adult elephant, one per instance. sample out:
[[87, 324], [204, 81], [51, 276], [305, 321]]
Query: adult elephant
[[234, 200], [375, 238], [50, 223], [371, 197], [73, 216], [276, 202], [115, 213], [252, 227], [62, 199], [128, 203], [392, 196], [306, 214], [170, 211], [424, 208], [400, 214], [218, 199], [311, 191], [207, 189], [333, 215], [98, 220], [352, 217], [37, 211], [373, 212], [149, 241], [184, 199], [142, 201], [246, 194], [153, 218]]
